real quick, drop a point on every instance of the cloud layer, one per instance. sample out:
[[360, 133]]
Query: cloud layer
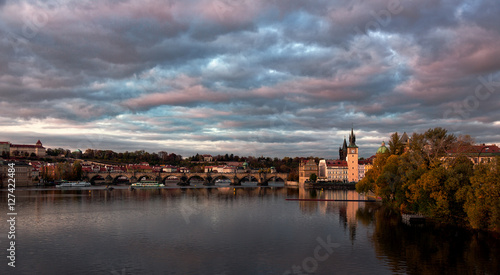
[[270, 78]]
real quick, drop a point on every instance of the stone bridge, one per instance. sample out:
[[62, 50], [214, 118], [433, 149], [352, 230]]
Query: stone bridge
[[185, 178]]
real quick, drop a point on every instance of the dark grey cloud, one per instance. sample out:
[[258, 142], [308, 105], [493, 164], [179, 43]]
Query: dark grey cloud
[[264, 77]]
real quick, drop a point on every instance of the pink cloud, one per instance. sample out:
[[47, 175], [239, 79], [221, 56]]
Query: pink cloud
[[467, 50], [179, 97]]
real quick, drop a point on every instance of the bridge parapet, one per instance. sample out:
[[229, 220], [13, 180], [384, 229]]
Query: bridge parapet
[[185, 178]]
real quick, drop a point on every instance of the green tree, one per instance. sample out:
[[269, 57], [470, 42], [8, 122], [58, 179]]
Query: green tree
[[396, 146], [460, 172], [417, 142], [389, 180], [313, 177], [437, 143]]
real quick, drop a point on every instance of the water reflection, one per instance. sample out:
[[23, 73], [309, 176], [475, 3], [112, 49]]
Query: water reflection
[[232, 230], [430, 249]]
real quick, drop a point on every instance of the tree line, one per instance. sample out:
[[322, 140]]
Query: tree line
[[422, 178]]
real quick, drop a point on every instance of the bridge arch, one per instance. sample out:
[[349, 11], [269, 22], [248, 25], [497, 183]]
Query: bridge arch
[[195, 177], [184, 178], [121, 179], [145, 177], [248, 178], [170, 179], [221, 180], [275, 179], [97, 179]]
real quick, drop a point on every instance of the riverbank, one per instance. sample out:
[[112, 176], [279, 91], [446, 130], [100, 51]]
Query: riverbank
[[331, 186]]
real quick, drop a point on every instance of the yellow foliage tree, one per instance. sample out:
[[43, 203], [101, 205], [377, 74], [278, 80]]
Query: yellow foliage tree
[[482, 198]]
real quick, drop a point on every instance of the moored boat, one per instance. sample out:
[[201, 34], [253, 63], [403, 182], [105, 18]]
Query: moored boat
[[74, 184], [147, 184]]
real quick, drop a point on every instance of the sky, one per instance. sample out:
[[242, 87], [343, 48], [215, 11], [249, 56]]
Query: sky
[[250, 77]]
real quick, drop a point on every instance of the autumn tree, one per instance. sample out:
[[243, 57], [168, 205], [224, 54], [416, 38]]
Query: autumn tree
[[76, 171], [367, 184], [412, 166], [426, 194], [482, 197]]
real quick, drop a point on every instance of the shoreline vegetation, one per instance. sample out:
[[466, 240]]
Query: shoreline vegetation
[[423, 178]]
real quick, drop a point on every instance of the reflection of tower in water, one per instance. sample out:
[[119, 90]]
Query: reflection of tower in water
[[342, 202], [308, 206]]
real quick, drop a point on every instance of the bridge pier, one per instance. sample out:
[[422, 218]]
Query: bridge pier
[[208, 183], [208, 178], [235, 181], [262, 183], [183, 181]]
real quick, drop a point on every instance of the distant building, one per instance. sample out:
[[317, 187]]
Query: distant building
[[348, 168], [306, 169], [343, 151], [352, 159], [170, 169], [36, 169], [382, 149], [208, 158], [336, 170], [364, 166], [4, 147], [184, 170], [23, 174], [322, 174], [142, 167], [234, 163], [476, 153], [221, 169], [405, 140], [23, 149]]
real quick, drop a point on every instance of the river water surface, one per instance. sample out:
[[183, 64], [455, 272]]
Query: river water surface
[[226, 230]]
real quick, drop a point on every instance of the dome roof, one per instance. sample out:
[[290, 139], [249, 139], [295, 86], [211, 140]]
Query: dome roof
[[382, 149]]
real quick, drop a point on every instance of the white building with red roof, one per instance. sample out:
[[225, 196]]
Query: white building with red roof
[[23, 149]]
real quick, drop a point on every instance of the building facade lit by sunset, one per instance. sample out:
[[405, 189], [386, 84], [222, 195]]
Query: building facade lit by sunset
[[347, 168]]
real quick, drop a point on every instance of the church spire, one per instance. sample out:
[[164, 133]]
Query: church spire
[[343, 150], [352, 139]]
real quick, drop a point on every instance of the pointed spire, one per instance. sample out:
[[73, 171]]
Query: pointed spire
[[352, 139]]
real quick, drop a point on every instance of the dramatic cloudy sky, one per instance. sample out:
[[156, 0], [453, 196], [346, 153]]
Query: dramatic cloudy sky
[[249, 77]]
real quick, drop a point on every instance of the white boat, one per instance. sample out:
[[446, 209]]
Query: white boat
[[147, 184], [223, 182], [74, 184]]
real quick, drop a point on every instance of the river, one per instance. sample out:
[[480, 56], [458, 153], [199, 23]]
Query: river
[[230, 230]]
